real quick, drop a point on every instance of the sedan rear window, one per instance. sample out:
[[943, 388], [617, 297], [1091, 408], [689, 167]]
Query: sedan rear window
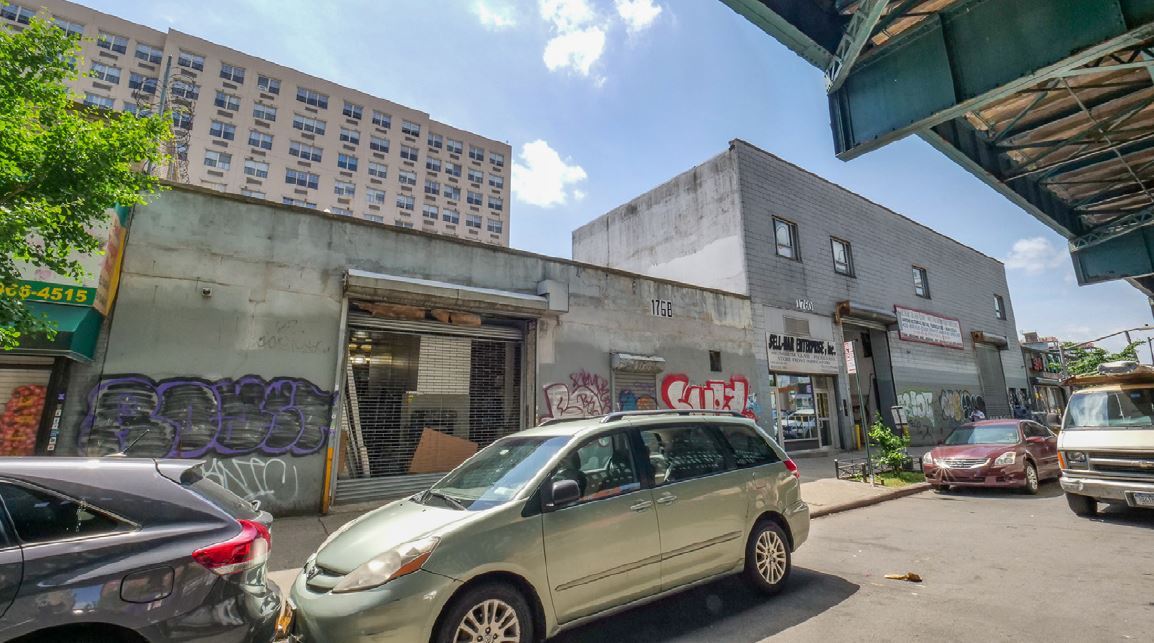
[[42, 517], [1114, 409]]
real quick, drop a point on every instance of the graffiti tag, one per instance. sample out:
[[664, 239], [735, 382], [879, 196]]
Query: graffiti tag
[[586, 395], [713, 395], [256, 479]]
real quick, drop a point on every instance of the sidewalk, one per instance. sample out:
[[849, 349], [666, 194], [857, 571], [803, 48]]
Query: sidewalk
[[820, 466]]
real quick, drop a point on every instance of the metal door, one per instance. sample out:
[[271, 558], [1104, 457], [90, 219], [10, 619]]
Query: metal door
[[821, 408], [993, 380]]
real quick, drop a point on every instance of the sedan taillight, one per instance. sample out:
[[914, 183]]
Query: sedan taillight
[[792, 466], [247, 550]]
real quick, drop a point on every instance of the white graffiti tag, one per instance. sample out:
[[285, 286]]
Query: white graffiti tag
[[256, 479]]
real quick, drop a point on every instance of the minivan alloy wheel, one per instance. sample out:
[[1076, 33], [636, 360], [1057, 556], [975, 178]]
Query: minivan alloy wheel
[[491, 621], [770, 557]]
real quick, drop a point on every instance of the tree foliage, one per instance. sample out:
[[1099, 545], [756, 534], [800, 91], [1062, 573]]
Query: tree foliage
[[61, 165], [1085, 360], [891, 444]]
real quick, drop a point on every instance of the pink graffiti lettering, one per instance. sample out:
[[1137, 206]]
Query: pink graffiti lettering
[[714, 395]]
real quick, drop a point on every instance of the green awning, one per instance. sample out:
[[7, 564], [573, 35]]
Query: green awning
[[77, 328]]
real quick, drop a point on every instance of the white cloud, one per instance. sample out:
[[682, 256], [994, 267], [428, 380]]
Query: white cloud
[[566, 15], [1035, 256], [637, 14], [495, 18], [542, 178], [577, 50]]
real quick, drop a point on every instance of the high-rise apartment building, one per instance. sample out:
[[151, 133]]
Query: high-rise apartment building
[[249, 126]]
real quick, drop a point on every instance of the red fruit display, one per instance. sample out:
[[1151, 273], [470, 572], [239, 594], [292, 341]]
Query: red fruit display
[[21, 419]]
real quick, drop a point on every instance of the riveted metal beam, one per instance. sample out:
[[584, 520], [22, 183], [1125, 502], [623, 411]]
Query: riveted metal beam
[[857, 34], [809, 31], [1121, 250]]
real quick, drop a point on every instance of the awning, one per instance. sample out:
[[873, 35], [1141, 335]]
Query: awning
[[848, 312], [77, 328], [999, 341], [424, 292]]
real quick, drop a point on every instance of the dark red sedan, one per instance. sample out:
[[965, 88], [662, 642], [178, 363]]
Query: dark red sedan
[[994, 453]]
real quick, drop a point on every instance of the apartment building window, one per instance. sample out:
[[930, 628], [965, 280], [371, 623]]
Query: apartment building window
[[496, 203], [496, 226], [224, 100], [450, 216], [350, 136], [842, 256], [344, 188], [453, 169], [410, 128], [219, 160], [401, 223], [144, 84], [136, 110], [433, 164], [921, 282], [476, 176], [259, 169], [264, 112], [496, 181], [268, 85], [96, 100], [303, 179], [453, 146], [476, 153], [305, 151], [181, 119], [219, 129], [452, 193], [474, 198], [379, 170], [182, 148], [430, 212], [260, 139], [232, 73], [785, 238], [300, 203], [17, 13], [405, 201], [148, 53], [256, 194], [71, 28], [108, 73], [409, 153], [190, 60], [999, 307], [312, 98], [436, 141], [378, 144], [382, 120], [310, 125], [352, 110], [347, 162], [374, 197], [473, 221], [406, 177], [497, 159], [344, 212], [432, 187], [185, 89], [112, 42]]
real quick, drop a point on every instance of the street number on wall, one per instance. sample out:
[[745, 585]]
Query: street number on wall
[[661, 308]]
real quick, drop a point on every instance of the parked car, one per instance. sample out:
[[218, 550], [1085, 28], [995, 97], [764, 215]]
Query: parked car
[[994, 453], [129, 549], [1107, 439], [557, 525]]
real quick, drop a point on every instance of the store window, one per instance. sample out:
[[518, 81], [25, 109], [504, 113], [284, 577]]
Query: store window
[[23, 390], [800, 410]]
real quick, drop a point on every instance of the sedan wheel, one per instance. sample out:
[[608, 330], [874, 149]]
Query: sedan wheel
[[491, 613], [1031, 487], [767, 558]]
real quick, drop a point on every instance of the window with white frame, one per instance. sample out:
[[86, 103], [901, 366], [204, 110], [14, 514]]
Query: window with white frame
[[148, 53], [409, 153], [257, 138], [401, 223], [312, 98], [374, 197], [382, 120], [379, 170], [217, 159], [999, 307], [190, 60], [405, 201], [185, 89], [224, 100], [410, 128], [136, 110], [476, 153], [473, 221], [267, 84], [232, 72], [259, 169], [452, 193], [785, 238], [378, 144], [108, 73], [347, 162], [143, 84], [350, 136], [344, 189], [17, 13], [264, 112], [476, 176], [344, 212], [180, 119], [496, 181], [96, 100], [300, 203], [220, 129], [432, 187], [453, 169], [497, 159], [303, 179], [310, 125], [453, 146], [71, 28], [496, 203], [375, 218], [921, 282], [842, 256], [450, 216], [496, 226], [430, 211], [433, 164], [407, 177], [112, 42], [474, 198], [352, 110], [305, 151], [436, 141]]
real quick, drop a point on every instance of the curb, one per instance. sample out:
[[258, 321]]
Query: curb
[[866, 502]]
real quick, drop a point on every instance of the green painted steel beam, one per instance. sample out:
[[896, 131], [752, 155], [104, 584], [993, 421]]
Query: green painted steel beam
[[800, 25], [975, 52], [1122, 257]]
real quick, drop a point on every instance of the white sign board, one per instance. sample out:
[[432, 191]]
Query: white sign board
[[927, 328], [850, 362], [792, 354]]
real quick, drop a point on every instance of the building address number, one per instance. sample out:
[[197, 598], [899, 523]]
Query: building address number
[[661, 308], [41, 291]]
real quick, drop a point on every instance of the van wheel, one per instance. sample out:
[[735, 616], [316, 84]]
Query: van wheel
[[768, 561], [488, 612], [1082, 505]]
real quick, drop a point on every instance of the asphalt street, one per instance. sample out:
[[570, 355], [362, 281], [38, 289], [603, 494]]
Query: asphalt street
[[995, 566]]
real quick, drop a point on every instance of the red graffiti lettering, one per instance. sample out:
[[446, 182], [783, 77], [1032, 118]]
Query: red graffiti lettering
[[714, 395]]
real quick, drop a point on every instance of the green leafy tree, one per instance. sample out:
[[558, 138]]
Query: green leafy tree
[[1085, 360], [61, 165], [892, 446]]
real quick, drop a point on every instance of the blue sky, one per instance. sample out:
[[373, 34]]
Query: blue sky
[[603, 99]]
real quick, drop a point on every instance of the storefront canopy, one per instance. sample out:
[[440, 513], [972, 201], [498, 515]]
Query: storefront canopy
[[77, 328]]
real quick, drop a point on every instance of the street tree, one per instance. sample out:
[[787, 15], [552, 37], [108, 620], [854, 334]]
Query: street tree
[[62, 166], [1084, 360]]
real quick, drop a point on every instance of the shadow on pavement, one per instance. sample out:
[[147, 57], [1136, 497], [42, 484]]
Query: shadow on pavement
[[725, 610], [1047, 489], [1120, 514]]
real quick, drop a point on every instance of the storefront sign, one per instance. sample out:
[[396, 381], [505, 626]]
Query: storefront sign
[[43, 291], [791, 354], [918, 326], [97, 288], [850, 361]]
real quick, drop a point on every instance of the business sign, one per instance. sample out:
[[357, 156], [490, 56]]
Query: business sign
[[918, 326], [850, 361], [98, 286], [792, 354]]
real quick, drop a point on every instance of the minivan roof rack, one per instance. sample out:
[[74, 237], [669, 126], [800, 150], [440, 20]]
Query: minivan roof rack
[[562, 420], [617, 415]]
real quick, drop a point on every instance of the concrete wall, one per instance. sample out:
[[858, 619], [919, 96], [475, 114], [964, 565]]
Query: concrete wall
[[226, 336]]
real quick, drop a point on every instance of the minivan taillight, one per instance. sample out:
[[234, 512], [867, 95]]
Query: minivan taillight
[[247, 550], [792, 466]]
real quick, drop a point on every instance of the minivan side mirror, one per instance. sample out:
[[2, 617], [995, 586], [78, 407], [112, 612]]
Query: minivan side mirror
[[563, 493]]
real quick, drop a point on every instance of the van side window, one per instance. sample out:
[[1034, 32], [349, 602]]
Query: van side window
[[749, 447], [602, 468], [682, 453]]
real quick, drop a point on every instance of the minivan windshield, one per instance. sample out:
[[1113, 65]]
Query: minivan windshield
[[988, 434], [495, 474], [1114, 409]]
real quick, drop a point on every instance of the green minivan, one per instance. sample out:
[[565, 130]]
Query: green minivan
[[557, 525]]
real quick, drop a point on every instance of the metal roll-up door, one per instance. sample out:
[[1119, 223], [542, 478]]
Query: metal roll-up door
[[419, 398], [634, 391], [23, 391], [993, 380]]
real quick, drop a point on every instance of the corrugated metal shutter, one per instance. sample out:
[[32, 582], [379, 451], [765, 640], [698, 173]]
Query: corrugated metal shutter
[[634, 391], [359, 320], [993, 380]]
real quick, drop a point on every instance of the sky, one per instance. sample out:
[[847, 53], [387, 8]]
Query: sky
[[602, 100]]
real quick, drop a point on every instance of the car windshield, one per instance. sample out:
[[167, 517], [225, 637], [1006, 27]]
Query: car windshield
[[1115, 409], [496, 474], [990, 434]]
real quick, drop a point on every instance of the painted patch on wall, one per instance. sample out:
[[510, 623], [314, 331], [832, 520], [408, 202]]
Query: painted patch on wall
[[714, 395], [190, 417], [585, 395]]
